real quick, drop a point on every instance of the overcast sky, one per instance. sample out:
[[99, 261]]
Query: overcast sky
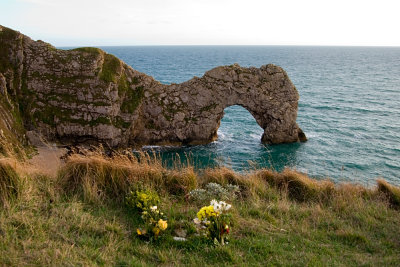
[[205, 22]]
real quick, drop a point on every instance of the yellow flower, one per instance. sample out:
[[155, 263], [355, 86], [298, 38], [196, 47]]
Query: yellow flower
[[140, 231], [162, 224], [156, 231], [206, 212]]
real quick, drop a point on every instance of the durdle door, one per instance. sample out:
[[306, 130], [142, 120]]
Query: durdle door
[[86, 95]]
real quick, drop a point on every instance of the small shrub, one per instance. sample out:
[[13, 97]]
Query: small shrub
[[154, 221], [215, 191], [249, 185], [142, 200]]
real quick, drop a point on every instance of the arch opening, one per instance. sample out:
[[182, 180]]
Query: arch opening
[[238, 126]]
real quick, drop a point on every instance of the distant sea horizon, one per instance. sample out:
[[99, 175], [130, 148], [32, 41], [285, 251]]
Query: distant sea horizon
[[349, 107]]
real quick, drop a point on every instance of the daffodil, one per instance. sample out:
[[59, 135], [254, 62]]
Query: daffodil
[[162, 224], [206, 212]]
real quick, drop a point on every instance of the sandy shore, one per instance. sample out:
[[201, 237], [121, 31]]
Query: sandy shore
[[47, 161]]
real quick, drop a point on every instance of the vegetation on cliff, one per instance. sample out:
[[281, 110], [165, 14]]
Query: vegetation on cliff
[[80, 217]]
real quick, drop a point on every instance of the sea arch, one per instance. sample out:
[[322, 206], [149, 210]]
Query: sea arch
[[191, 112], [85, 94]]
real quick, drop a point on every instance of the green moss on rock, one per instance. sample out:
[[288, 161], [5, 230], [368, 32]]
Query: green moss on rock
[[120, 123], [123, 85], [135, 80], [48, 115], [132, 100], [111, 68], [91, 50], [8, 38]]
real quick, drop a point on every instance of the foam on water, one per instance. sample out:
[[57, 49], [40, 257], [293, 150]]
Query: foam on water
[[349, 107]]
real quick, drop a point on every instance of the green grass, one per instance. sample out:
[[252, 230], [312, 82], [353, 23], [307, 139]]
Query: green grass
[[91, 50], [79, 218], [111, 68]]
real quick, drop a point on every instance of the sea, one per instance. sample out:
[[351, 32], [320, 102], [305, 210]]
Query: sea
[[349, 108]]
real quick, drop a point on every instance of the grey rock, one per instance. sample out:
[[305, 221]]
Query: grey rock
[[36, 139]]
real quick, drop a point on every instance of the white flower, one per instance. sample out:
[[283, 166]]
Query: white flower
[[153, 208], [216, 205], [225, 206], [220, 206], [196, 221]]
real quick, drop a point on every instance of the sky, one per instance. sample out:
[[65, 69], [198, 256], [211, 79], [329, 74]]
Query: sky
[[205, 22]]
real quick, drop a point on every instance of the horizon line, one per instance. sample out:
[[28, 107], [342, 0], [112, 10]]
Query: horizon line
[[209, 45]]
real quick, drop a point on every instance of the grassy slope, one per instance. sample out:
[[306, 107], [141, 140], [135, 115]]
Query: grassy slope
[[56, 222]]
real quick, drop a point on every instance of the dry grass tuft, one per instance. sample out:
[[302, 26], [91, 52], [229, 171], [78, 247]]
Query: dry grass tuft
[[97, 177], [303, 188], [11, 148], [299, 186], [223, 176], [180, 182], [391, 192], [11, 183], [351, 192]]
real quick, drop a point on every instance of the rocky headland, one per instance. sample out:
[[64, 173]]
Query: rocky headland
[[85, 95]]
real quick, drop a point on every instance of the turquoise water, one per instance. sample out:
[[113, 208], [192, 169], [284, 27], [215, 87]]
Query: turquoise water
[[349, 108]]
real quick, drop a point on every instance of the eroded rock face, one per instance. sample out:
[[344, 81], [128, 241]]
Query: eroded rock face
[[87, 95]]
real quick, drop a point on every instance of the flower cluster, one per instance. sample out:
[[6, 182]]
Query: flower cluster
[[145, 202], [154, 223], [214, 220], [220, 206], [141, 200], [206, 212]]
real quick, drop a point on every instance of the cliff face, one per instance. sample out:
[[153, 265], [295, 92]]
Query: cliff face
[[87, 95]]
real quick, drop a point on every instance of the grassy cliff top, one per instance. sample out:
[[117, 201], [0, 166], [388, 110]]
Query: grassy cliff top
[[80, 217]]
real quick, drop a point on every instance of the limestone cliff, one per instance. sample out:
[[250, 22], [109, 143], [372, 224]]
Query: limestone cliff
[[87, 95]]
